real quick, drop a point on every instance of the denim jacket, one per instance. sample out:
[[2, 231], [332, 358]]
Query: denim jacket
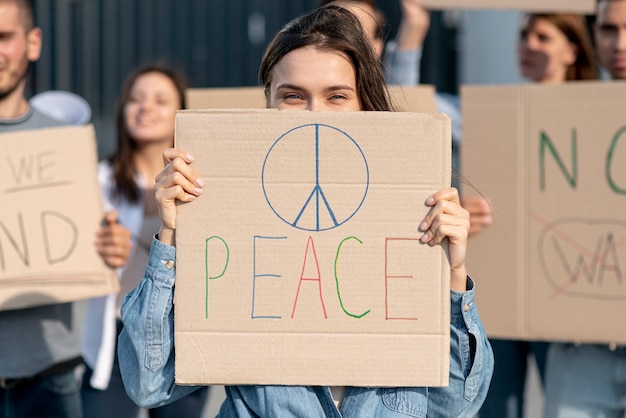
[[146, 356]]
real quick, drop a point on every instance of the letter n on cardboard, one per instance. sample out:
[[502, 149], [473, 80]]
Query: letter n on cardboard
[[552, 161], [299, 264]]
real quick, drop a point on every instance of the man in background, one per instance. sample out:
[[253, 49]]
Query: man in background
[[40, 346], [589, 380], [401, 56]]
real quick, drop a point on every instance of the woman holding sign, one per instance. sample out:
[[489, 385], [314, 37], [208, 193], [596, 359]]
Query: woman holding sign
[[320, 61], [146, 112], [552, 49]]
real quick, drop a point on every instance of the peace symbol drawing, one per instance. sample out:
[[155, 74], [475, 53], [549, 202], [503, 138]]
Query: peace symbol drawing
[[315, 177]]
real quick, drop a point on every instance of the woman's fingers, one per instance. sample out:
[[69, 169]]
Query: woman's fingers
[[172, 153], [447, 219], [113, 241], [176, 182], [183, 181], [445, 210], [445, 225]]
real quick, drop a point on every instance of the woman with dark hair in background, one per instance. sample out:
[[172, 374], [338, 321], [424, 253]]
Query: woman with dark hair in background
[[554, 48], [145, 128]]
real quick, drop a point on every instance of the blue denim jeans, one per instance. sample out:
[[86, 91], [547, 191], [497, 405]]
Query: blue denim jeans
[[54, 396], [586, 381], [506, 392]]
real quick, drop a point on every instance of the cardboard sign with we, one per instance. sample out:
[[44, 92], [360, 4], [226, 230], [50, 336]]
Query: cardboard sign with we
[[51, 210]]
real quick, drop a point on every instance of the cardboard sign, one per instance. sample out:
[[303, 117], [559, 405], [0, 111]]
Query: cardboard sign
[[406, 99], [225, 98], [416, 99], [546, 6], [552, 161], [51, 210], [300, 263]]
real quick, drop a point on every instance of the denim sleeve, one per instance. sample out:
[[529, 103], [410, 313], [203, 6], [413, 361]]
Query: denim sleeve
[[402, 67], [146, 343], [471, 361]]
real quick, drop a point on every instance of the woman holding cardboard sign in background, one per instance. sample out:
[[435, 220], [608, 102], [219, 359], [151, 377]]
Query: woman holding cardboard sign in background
[[145, 127], [552, 48], [555, 48], [320, 61], [587, 380]]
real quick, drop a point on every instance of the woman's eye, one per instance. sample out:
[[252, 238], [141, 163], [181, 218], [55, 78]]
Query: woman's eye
[[292, 96]]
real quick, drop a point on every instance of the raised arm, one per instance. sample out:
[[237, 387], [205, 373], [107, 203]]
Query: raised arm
[[177, 182], [414, 25], [403, 56], [146, 343], [448, 220], [471, 357]]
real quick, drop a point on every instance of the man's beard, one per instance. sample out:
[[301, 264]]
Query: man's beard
[[15, 79]]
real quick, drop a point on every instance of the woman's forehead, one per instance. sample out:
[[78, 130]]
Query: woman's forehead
[[312, 61]]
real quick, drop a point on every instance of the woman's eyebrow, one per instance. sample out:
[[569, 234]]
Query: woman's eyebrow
[[340, 87], [288, 86]]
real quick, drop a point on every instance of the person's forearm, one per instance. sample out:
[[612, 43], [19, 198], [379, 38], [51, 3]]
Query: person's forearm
[[458, 279], [167, 236], [410, 37], [146, 343], [414, 25]]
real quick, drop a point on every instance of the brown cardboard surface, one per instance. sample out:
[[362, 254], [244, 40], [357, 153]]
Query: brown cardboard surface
[[50, 213], [300, 264], [414, 99], [407, 99], [225, 98], [553, 6], [551, 160]]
